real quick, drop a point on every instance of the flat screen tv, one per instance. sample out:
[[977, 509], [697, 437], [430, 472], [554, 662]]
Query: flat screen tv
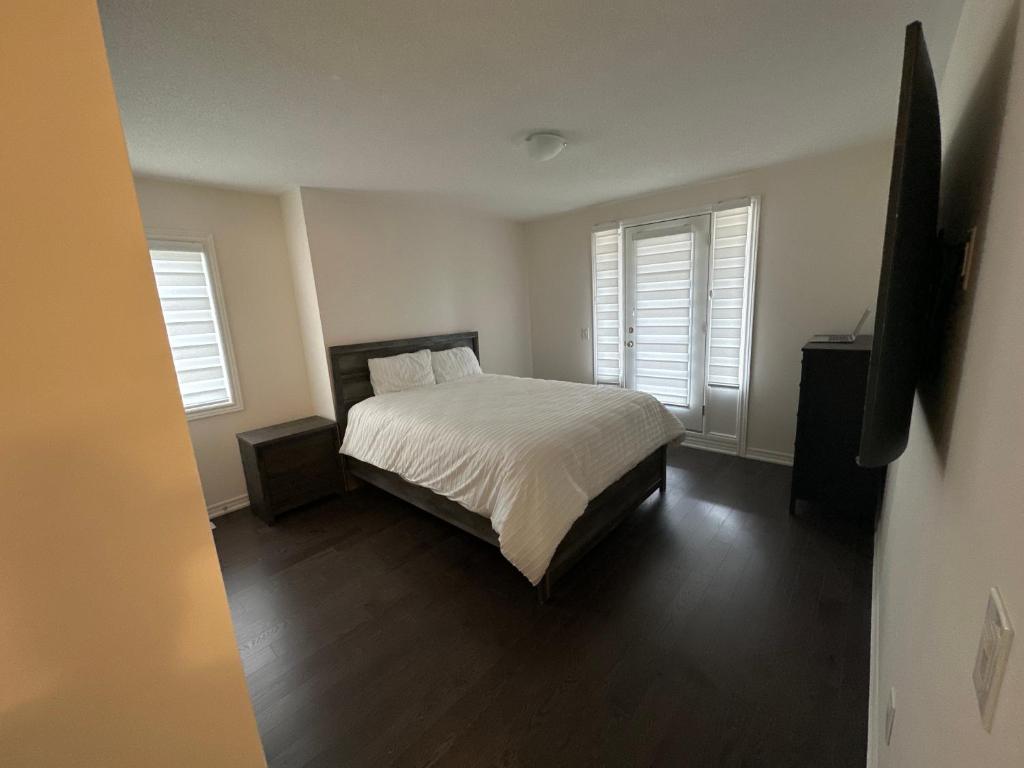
[[910, 262]]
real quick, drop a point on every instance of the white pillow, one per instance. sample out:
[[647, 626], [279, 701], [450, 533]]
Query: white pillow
[[452, 364], [399, 372]]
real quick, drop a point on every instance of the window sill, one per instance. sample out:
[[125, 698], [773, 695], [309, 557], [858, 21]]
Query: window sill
[[216, 410]]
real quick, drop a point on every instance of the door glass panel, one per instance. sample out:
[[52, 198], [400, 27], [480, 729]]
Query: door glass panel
[[665, 311], [662, 316]]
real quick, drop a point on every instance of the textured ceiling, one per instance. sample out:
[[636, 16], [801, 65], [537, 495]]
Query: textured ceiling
[[435, 96]]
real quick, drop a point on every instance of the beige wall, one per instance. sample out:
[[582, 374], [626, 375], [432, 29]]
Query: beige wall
[[394, 265], [819, 251], [116, 646], [953, 521], [314, 349], [249, 238]]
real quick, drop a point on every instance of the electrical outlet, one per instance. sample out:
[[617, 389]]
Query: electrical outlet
[[993, 650], [890, 716], [585, 334]]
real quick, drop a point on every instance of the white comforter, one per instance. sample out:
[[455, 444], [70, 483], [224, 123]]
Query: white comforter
[[526, 453]]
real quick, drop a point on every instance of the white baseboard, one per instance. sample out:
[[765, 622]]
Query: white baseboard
[[228, 505], [727, 445], [711, 443], [772, 457]]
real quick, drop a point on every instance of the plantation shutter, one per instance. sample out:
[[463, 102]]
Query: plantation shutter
[[193, 329], [663, 307], [729, 245], [607, 269]]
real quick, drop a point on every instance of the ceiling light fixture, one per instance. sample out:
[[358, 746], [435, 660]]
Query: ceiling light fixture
[[544, 145]]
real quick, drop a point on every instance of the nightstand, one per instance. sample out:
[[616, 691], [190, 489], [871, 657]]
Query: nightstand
[[290, 464]]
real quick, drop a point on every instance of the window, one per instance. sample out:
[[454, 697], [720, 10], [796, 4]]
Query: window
[[187, 283], [730, 229], [607, 268]]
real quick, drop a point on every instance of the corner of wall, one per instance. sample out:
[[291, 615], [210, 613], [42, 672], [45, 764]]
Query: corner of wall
[[523, 250], [307, 304]]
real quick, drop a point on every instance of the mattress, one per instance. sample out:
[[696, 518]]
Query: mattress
[[528, 454]]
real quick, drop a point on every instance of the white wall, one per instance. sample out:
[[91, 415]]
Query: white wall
[[314, 349], [819, 252], [394, 265], [256, 281], [116, 646], [953, 521]]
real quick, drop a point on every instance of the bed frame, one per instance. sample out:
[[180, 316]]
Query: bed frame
[[350, 378]]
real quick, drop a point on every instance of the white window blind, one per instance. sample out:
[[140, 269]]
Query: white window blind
[[730, 230], [607, 288], [663, 309], [186, 284]]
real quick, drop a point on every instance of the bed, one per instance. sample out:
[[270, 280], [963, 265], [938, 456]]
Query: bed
[[543, 470]]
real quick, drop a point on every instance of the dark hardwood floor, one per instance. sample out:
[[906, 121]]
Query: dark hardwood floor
[[710, 629]]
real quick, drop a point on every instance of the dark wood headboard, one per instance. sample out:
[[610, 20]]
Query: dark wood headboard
[[350, 373]]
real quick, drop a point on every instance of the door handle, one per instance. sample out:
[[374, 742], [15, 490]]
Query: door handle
[[629, 343]]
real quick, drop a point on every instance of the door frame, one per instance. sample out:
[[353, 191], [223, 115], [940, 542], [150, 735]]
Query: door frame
[[755, 202], [749, 305]]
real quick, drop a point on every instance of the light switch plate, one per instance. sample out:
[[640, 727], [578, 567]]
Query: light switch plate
[[585, 334], [993, 651]]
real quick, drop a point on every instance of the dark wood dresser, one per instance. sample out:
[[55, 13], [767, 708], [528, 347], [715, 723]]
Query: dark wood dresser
[[290, 464], [833, 380]]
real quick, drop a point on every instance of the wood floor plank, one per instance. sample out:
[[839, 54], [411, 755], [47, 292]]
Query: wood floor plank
[[710, 629]]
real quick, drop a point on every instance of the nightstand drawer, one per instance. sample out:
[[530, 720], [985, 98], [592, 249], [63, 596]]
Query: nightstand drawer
[[304, 482], [289, 456]]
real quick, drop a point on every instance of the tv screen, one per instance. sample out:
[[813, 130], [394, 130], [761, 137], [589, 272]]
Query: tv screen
[[910, 262]]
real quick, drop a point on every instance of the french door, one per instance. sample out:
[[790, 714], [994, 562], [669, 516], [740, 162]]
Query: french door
[[665, 297]]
